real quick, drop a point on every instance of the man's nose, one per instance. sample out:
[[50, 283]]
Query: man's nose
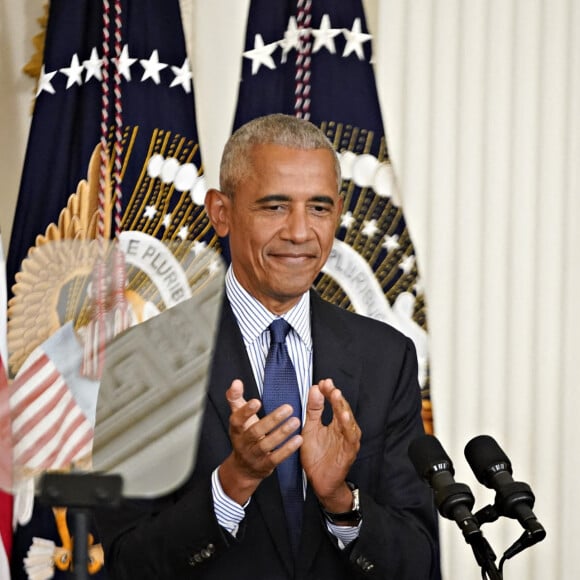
[[297, 225]]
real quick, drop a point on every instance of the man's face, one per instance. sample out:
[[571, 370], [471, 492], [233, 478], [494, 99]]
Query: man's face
[[281, 222]]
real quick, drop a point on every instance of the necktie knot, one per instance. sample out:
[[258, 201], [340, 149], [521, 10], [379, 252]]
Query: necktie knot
[[279, 329]]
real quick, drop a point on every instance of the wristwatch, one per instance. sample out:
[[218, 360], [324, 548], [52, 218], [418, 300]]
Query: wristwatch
[[353, 516]]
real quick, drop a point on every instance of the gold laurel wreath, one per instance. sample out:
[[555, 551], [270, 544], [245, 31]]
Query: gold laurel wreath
[[59, 256]]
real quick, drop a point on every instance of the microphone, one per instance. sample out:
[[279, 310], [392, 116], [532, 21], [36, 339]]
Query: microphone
[[513, 499], [453, 500]]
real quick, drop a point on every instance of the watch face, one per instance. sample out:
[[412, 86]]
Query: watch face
[[353, 515], [355, 500]]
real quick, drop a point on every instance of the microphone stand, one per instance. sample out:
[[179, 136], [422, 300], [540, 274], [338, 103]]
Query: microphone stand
[[483, 552], [79, 493], [491, 513], [455, 501]]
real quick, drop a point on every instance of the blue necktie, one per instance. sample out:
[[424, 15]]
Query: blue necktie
[[281, 386]]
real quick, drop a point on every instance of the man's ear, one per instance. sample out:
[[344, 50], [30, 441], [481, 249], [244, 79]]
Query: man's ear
[[217, 207], [340, 207]]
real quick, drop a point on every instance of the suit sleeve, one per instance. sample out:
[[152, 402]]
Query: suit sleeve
[[138, 537], [398, 536]]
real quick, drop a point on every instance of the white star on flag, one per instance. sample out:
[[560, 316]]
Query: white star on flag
[[93, 66], [391, 243], [151, 67], [73, 72], [150, 211], [44, 83], [291, 38], [407, 264], [347, 219], [370, 228], [166, 220], [324, 36], [183, 231], [214, 266], [183, 76], [261, 55], [198, 247], [355, 39], [125, 62]]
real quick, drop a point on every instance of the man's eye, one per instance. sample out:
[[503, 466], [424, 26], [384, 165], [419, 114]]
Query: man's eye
[[322, 209]]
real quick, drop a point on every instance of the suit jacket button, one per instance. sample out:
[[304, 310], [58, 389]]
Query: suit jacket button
[[205, 553], [191, 561], [365, 564], [210, 548]]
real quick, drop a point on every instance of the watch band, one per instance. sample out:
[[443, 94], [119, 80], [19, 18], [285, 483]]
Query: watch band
[[353, 515]]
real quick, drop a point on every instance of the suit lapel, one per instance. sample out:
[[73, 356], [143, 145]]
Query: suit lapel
[[333, 352], [312, 533], [269, 502], [231, 362], [333, 359]]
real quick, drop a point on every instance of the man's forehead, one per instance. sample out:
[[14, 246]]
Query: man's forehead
[[292, 197]]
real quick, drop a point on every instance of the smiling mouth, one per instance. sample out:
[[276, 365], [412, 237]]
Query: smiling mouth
[[293, 257]]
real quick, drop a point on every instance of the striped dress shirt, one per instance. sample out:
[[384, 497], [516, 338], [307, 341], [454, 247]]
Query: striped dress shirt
[[254, 320]]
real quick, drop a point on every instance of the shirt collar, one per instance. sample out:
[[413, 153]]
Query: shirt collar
[[254, 318]]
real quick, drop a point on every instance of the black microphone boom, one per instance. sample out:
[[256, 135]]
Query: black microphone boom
[[493, 469], [453, 500]]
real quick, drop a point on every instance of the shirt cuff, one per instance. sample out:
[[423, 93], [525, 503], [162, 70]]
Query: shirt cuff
[[229, 513], [344, 534]]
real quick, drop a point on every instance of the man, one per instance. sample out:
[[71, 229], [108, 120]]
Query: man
[[361, 511]]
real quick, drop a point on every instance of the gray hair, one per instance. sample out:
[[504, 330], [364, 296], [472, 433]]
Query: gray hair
[[275, 129]]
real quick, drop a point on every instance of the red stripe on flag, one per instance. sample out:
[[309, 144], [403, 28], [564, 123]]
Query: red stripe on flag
[[81, 448], [24, 421], [6, 522], [5, 464], [59, 439], [45, 437], [49, 428], [26, 387]]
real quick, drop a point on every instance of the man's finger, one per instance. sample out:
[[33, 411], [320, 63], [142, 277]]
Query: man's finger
[[340, 407], [235, 395], [284, 451], [277, 438], [245, 416], [271, 421], [341, 411], [314, 405]]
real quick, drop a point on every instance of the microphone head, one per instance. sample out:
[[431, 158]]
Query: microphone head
[[486, 458], [428, 457]]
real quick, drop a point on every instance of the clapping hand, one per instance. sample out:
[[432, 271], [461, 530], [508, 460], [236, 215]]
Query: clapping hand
[[259, 445], [328, 452]]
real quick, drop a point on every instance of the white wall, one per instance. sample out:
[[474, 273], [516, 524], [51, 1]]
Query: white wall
[[481, 100]]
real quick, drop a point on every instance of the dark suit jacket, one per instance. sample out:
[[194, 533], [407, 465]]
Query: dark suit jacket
[[178, 537]]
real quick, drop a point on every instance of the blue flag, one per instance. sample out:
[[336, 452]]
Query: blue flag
[[313, 60], [70, 190]]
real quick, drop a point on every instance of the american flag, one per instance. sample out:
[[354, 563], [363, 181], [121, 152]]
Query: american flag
[[314, 60], [49, 429], [150, 114], [5, 436], [5, 476]]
